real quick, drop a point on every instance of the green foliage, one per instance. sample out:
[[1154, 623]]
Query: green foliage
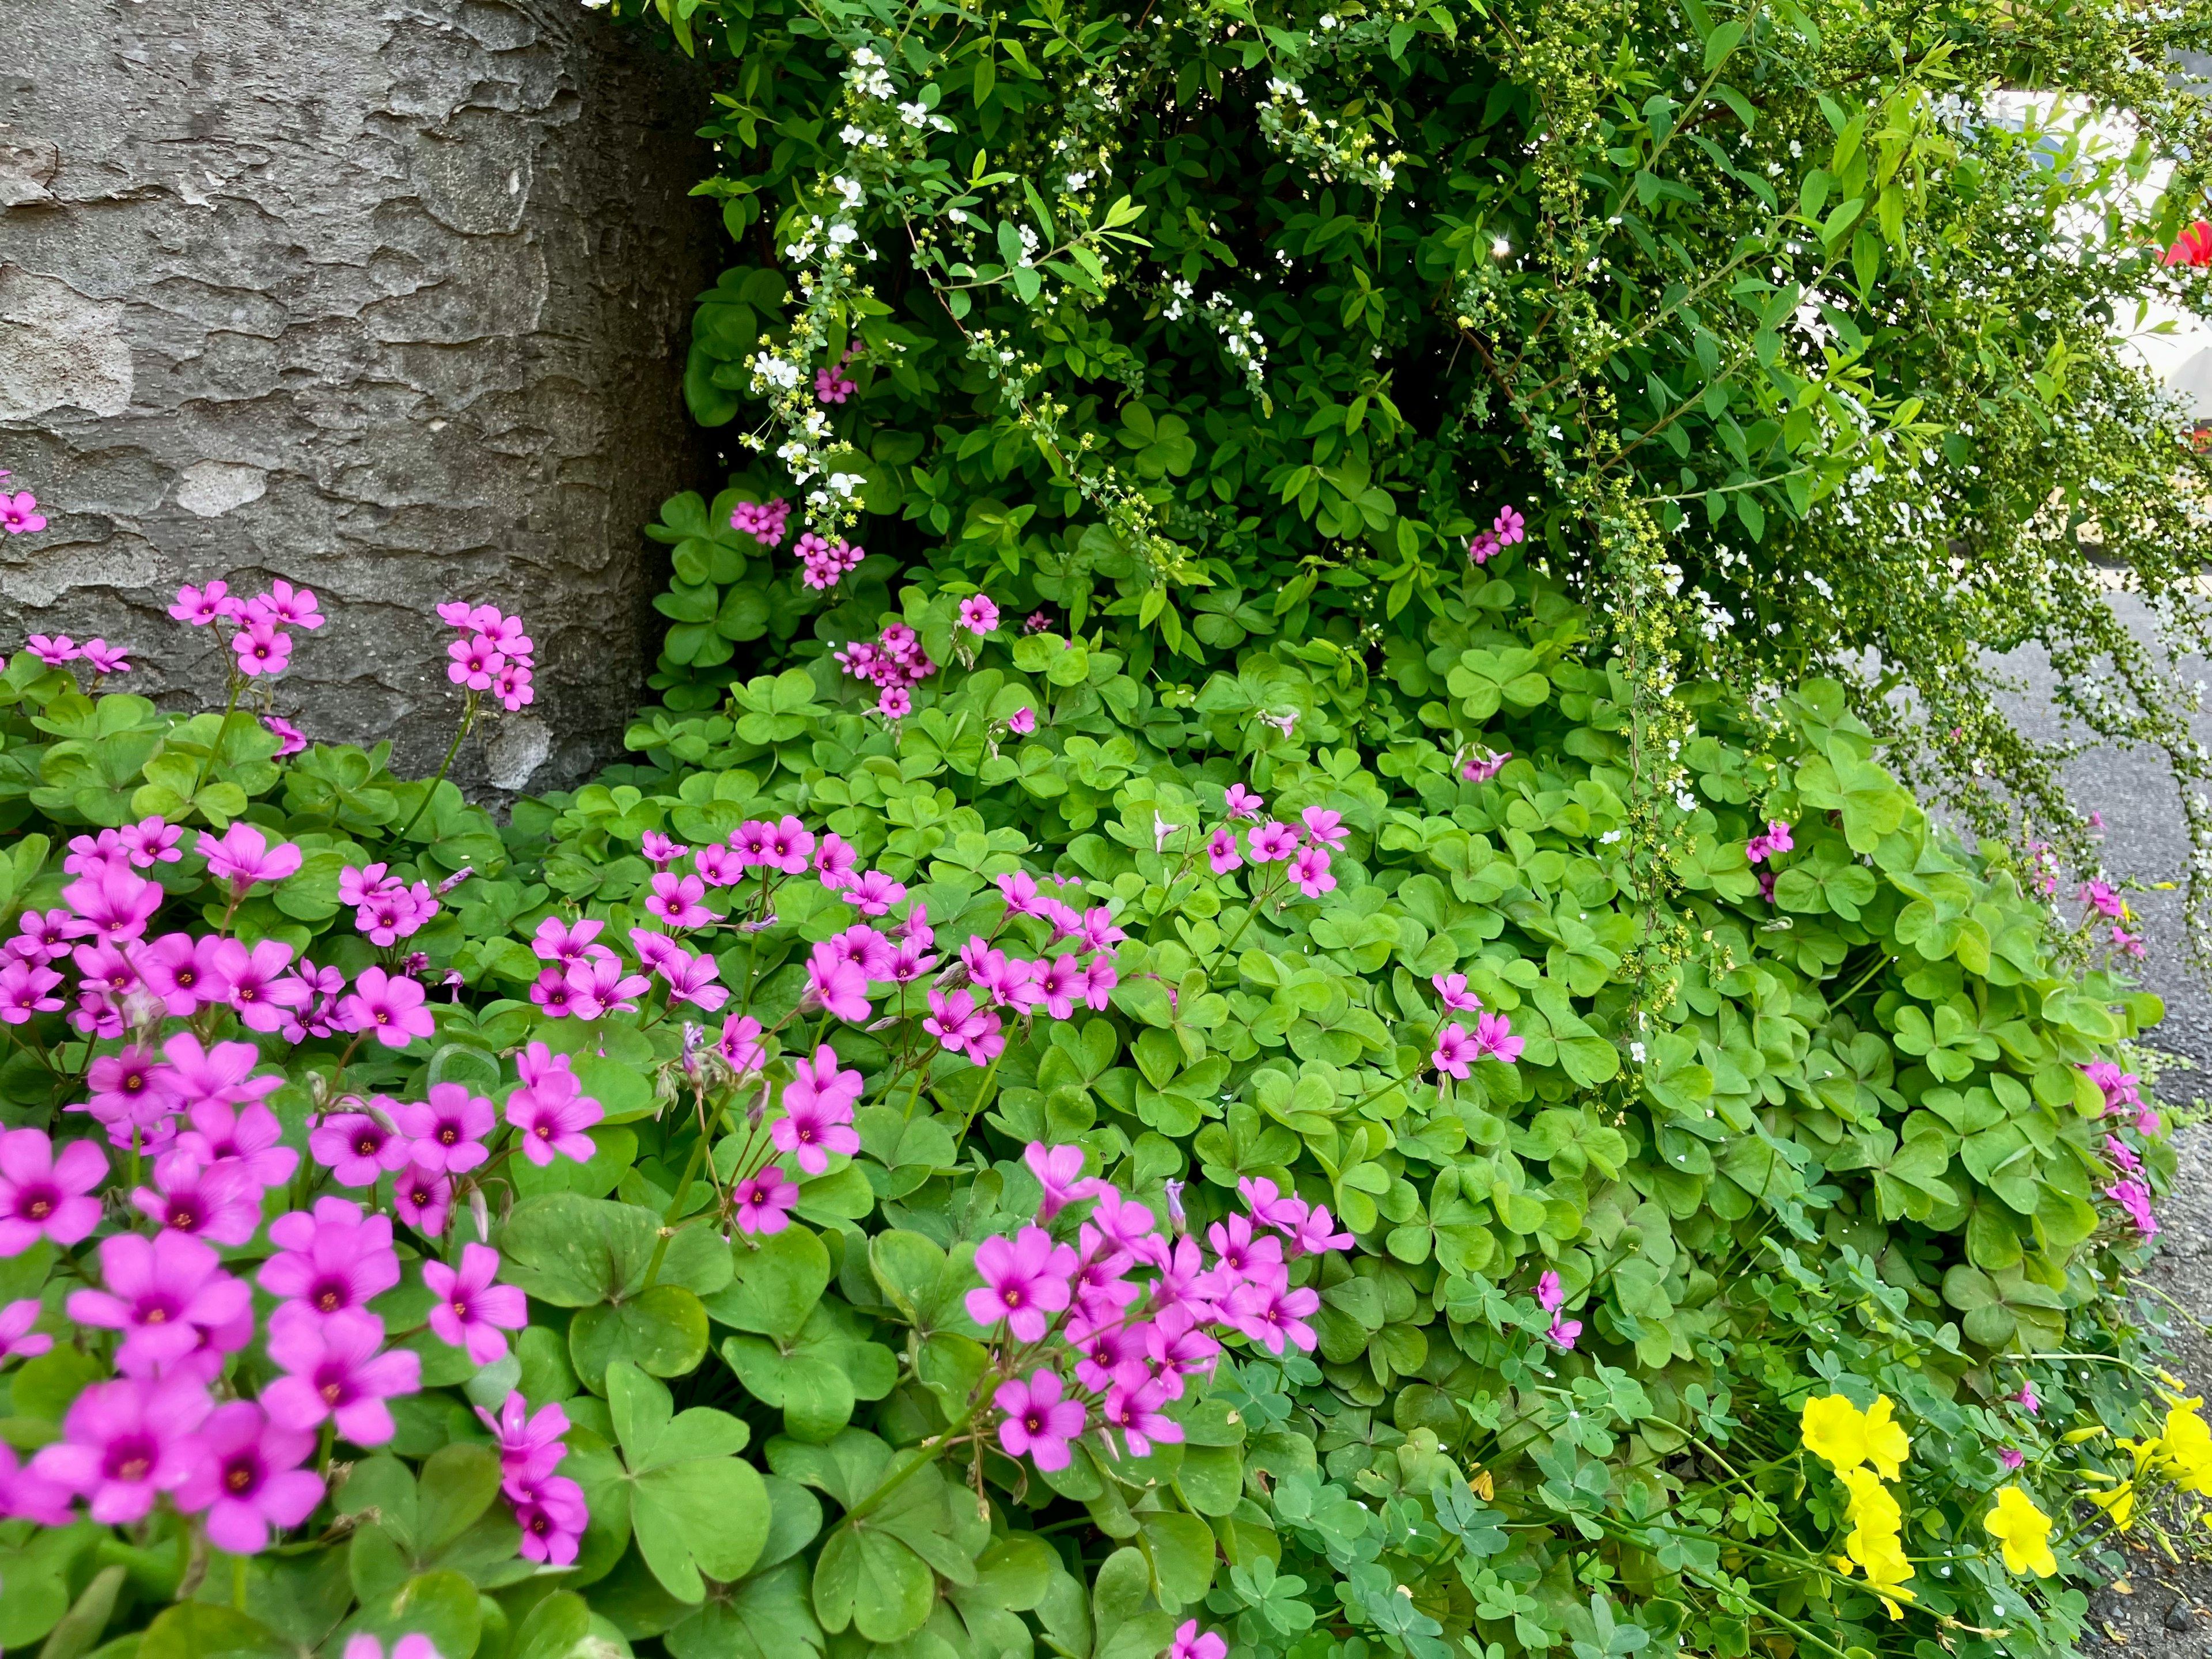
[[1208, 324]]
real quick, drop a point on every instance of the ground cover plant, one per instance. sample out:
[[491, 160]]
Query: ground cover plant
[[836, 1186]]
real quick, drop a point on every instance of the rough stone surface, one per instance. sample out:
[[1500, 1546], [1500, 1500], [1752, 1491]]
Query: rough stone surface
[[383, 297]]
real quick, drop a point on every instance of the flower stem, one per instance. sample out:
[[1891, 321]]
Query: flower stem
[[222, 731], [468, 719]]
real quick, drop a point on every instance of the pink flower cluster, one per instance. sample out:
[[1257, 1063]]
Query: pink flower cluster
[[764, 521], [124, 977], [549, 1508], [260, 644], [1124, 1346], [1776, 839], [178, 1316], [1551, 1299], [386, 908], [1492, 1038], [58, 650], [823, 562], [894, 661], [2123, 1093], [1303, 847], [1507, 528], [492, 653]]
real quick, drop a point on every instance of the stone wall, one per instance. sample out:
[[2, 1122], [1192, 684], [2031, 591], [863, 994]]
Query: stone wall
[[383, 297]]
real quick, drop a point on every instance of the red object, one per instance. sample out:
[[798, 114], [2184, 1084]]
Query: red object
[[2195, 247]]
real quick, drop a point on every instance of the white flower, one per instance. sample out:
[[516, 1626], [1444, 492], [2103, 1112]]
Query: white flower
[[1635, 1051], [850, 134], [914, 114], [842, 235], [1161, 830], [865, 56]]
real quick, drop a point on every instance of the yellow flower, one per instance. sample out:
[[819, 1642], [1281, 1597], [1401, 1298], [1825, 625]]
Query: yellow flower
[[2119, 1503], [1887, 1445], [1871, 1505], [1834, 1431], [2188, 1447], [2024, 1531]]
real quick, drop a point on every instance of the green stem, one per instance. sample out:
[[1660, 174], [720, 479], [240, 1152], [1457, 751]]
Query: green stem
[[468, 719], [1250, 911], [222, 731], [675, 1204]]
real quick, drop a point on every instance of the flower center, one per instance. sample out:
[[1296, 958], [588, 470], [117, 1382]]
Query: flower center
[[460, 1310], [239, 1475], [449, 1136], [39, 1206], [184, 1218], [328, 1296], [366, 1146], [131, 1459]]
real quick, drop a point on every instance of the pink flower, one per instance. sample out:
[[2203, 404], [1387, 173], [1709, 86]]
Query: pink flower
[[894, 702], [415, 1645], [1053, 984], [330, 1260], [1774, 840], [117, 902], [1221, 852], [43, 1196], [1451, 990], [2104, 899], [831, 387], [1024, 1280], [1242, 803], [17, 1339], [958, 1024], [1039, 1423], [26, 991], [262, 648], [290, 738], [334, 1370], [44, 936], [241, 856], [2030, 1402], [1324, 828], [1269, 1314], [875, 893], [1481, 546], [53, 650], [1494, 1039], [1189, 1645], [1316, 1233], [356, 1148], [836, 984], [1135, 1410], [549, 1111], [836, 862], [2010, 1458], [471, 1310], [1509, 527], [1492, 763], [558, 942], [529, 1446], [1310, 869], [220, 1203], [389, 1007], [675, 900], [1550, 1297], [287, 606], [979, 615], [256, 981], [19, 512], [763, 521], [422, 1199], [692, 979], [446, 1132], [552, 1525], [1563, 1333], [125, 1442], [1456, 1051], [1021, 722], [2122, 1154], [245, 1138], [1273, 842], [818, 1112], [222, 1073], [1268, 1205], [247, 1478], [2133, 1197], [1059, 1170], [762, 1202], [740, 1043], [163, 1293], [201, 605]]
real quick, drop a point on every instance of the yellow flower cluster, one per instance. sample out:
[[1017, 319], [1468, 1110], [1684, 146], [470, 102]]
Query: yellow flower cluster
[[1848, 1440], [2182, 1454]]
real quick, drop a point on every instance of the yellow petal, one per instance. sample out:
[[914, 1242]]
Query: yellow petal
[[1834, 1431], [1885, 1441]]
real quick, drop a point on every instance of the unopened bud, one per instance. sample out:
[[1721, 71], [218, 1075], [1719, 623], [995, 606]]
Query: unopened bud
[[455, 879], [481, 1214]]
